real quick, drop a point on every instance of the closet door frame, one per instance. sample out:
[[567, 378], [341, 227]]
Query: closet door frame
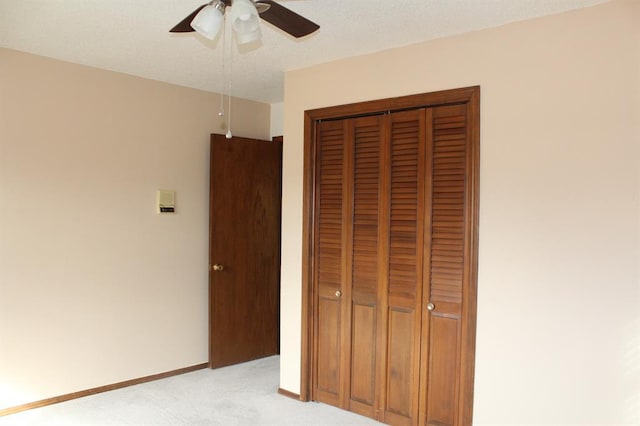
[[467, 95]]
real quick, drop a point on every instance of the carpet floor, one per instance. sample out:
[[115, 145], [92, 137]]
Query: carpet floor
[[244, 394]]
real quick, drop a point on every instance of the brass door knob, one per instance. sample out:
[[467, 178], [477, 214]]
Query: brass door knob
[[217, 267], [338, 293], [431, 307]]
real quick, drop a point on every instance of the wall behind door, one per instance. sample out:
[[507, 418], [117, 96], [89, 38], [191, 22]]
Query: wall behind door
[[95, 287], [558, 317]]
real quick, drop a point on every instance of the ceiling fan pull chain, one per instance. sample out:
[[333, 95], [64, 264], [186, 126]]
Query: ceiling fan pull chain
[[229, 135], [222, 87]]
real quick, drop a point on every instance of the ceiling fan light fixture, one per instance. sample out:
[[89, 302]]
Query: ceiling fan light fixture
[[248, 37], [209, 20], [245, 21]]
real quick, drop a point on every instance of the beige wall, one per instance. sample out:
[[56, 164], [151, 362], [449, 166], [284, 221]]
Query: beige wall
[[559, 308], [277, 119], [95, 287]]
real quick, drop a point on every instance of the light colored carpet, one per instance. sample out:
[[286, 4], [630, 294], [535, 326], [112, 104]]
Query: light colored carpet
[[244, 394]]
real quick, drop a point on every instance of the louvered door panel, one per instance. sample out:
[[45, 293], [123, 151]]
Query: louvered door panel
[[403, 250], [406, 200], [329, 258], [366, 135], [448, 144], [447, 235]]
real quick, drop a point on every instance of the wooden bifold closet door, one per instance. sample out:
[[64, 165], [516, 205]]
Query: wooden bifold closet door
[[393, 257]]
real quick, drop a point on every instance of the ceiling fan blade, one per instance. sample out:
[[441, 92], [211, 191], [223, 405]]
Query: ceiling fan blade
[[287, 20], [184, 26]]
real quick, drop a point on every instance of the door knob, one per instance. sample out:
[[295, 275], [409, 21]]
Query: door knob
[[431, 307], [217, 267], [338, 293]]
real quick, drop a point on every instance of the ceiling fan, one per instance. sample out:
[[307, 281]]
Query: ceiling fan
[[207, 19]]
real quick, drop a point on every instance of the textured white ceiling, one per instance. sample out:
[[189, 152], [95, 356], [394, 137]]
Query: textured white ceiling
[[132, 36]]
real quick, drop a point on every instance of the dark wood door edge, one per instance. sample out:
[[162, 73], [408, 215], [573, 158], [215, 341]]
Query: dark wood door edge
[[99, 389], [288, 394]]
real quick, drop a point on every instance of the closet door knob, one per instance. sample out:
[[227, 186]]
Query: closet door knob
[[431, 307], [217, 268], [338, 293]]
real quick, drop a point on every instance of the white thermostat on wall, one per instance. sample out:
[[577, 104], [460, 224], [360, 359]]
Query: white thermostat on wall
[[166, 201]]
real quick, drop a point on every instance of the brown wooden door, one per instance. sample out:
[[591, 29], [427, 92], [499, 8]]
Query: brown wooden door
[[395, 246], [449, 299], [244, 249], [406, 210], [348, 267], [367, 242], [331, 263]]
